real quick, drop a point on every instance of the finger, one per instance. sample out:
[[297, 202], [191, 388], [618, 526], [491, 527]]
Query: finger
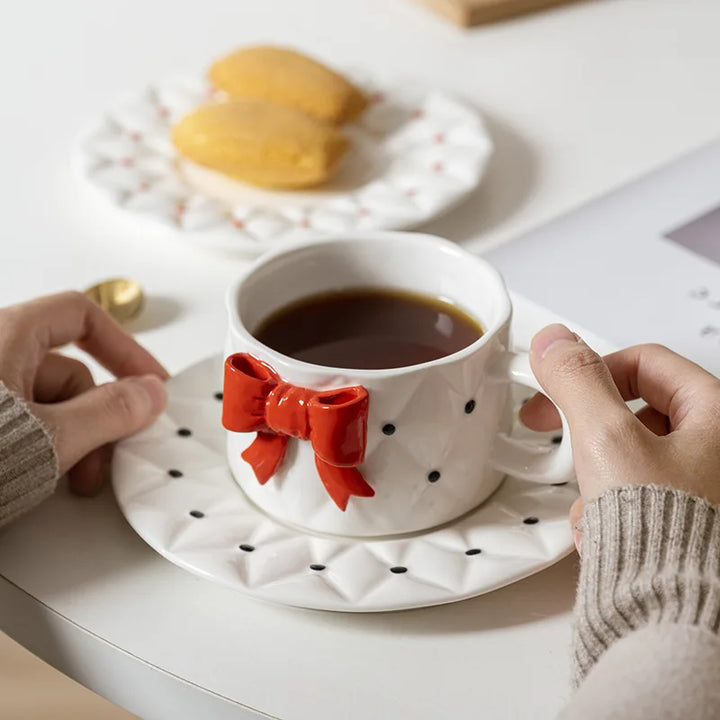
[[653, 420], [538, 413], [650, 372], [577, 379], [102, 415], [59, 378], [666, 381], [39, 325], [86, 478]]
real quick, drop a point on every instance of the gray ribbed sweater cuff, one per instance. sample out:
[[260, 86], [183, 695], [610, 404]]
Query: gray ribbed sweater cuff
[[651, 555], [28, 464]]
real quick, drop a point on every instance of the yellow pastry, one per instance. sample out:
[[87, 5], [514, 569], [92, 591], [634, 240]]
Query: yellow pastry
[[260, 143], [289, 78]]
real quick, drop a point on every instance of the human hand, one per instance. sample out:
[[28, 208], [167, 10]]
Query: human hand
[[82, 419], [674, 440]]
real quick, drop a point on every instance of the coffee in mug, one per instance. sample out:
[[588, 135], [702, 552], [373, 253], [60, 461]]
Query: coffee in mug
[[369, 329]]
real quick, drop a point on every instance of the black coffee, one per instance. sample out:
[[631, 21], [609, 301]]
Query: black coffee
[[369, 329]]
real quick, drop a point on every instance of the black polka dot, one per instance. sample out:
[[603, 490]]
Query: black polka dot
[[473, 551], [433, 476], [388, 429], [532, 520], [317, 567], [184, 432], [175, 473], [218, 396], [560, 484], [197, 514], [469, 406], [398, 569], [557, 439], [246, 548]]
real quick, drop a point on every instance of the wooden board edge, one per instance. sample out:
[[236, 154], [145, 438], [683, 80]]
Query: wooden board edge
[[462, 14]]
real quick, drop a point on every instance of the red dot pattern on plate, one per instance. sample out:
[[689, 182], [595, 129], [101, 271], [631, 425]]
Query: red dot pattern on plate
[[377, 97], [163, 112], [410, 192], [304, 223], [437, 167], [143, 186], [135, 136], [439, 138], [417, 114], [238, 223], [126, 162], [363, 211]]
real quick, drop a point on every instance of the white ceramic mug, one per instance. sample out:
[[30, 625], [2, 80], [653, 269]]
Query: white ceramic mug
[[435, 434]]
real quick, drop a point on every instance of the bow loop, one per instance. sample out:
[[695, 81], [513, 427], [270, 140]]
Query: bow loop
[[248, 383], [339, 425], [256, 399]]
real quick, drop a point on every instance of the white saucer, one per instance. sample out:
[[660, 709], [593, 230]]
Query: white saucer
[[173, 484], [416, 154]]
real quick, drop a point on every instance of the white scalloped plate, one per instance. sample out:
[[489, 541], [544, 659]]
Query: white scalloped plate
[[415, 154]]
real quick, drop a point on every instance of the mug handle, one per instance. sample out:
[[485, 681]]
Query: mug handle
[[518, 457]]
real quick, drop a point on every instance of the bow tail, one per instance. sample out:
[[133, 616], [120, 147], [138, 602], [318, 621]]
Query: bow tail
[[265, 454], [342, 482]]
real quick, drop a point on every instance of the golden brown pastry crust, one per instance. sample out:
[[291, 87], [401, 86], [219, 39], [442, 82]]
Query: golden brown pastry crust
[[260, 143], [289, 78]]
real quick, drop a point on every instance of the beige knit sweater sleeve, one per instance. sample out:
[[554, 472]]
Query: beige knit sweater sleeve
[[647, 613], [28, 464]]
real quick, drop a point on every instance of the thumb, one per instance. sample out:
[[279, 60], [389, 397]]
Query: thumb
[[576, 378], [102, 415]]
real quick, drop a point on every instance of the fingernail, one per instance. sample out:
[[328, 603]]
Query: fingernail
[[550, 336], [155, 388]]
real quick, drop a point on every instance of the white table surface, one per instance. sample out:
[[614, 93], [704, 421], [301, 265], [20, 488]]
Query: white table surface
[[578, 100]]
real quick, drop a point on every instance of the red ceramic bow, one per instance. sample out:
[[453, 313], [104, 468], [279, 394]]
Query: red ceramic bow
[[256, 399]]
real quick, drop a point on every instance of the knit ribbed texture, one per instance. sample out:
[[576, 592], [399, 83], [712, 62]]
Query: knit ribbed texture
[[28, 464], [661, 672], [651, 556]]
